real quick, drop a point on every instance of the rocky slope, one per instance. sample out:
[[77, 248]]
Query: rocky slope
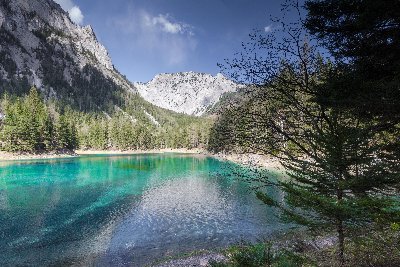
[[41, 46], [186, 92]]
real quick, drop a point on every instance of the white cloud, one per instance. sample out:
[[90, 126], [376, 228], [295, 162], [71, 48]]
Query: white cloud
[[165, 23], [76, 15], [73, 10], [171, 27], [268, 28], [160, 35]]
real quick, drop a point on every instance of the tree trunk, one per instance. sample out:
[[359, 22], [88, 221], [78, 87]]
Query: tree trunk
[[340, 232], [340, 228]]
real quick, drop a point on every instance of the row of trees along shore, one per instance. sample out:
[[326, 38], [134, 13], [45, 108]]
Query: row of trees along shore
[[333, 122], [30, 124]]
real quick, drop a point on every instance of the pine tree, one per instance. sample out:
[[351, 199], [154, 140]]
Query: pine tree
[[66, 133], [340, 178], [31, 120], [10, 134], [47, 134]]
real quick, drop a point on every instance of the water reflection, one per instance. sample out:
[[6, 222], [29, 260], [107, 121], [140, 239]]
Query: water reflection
[[123, 209]]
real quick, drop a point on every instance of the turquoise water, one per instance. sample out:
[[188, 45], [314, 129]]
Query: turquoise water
[[124, 210]]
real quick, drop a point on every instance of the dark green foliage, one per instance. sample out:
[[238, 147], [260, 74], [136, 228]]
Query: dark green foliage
[[96, 92], [261, 254], [224, 136], [122, 132], [23, 124], [131, 132], [340, 176], [364, 38], [67, 133], [90, 89], [46, 131], [371, 246], [375, 247], [28, 126], [31, 125], [230, 131], [46, 31], [366, 31], [343, 169]]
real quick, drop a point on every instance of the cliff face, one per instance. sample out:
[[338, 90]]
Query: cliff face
[[41, 46], [186, 92]]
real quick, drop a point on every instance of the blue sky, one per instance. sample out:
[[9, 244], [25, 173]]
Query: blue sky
[[148, 37]]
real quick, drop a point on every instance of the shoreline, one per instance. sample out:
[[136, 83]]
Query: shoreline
[[9, 156], [247, 160], [250, 160], [132, 152]]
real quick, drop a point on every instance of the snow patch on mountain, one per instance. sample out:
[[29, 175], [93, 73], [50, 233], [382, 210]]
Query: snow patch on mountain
[[186, 92]]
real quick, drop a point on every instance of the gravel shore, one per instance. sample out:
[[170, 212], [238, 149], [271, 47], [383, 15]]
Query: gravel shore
[[7, 156], [251, 160]]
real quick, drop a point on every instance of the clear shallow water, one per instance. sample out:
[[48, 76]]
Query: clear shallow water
[[124, 210]]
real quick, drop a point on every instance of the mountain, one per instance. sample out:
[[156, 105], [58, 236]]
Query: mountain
[[41, 46], [80, 95], [186, 92]]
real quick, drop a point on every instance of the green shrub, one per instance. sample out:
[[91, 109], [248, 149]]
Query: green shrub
[[262, 254]]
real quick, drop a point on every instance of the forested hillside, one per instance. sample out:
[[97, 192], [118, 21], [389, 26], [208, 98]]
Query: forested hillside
[[80, 100], [30, 124]]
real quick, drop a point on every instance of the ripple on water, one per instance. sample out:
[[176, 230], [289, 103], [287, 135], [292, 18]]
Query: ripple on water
[[124, 210]]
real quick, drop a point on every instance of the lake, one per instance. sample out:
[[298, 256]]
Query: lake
[[125, 210]]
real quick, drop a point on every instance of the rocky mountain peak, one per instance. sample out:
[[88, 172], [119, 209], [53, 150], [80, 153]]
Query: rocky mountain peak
[[39, 42], [89, 30], [41, 46], [190, 92]]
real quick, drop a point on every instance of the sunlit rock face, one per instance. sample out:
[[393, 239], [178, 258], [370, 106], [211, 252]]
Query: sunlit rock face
[[186, 92], [42, 46]]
